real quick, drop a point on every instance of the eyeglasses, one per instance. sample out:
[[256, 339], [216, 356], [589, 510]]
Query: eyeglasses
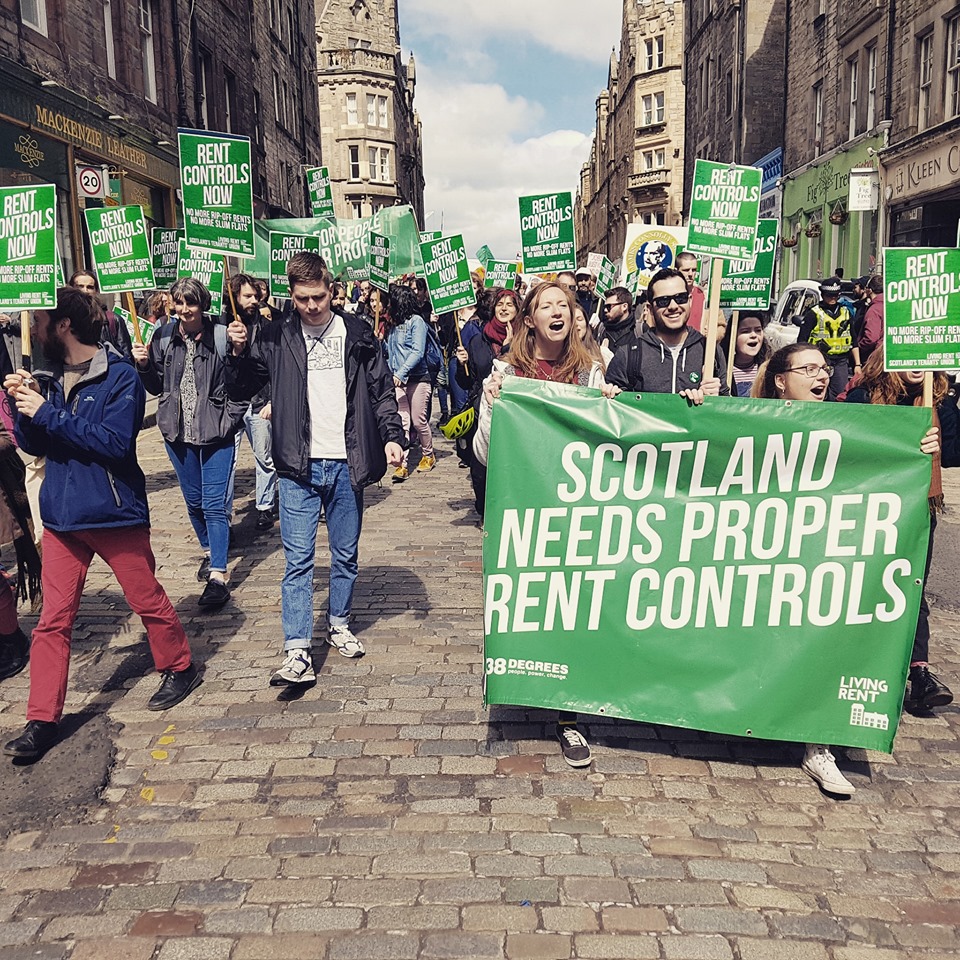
[[812, 370], [661, 303]]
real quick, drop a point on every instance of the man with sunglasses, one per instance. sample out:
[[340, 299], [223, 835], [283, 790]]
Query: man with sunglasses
[[668, 356], [616, 327], [829, 326]]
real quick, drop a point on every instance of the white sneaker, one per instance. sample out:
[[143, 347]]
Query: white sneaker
[[346, 643], [297, 668], [819, 763]]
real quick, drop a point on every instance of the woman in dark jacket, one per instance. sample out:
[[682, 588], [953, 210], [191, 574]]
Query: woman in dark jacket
[[184, 365]]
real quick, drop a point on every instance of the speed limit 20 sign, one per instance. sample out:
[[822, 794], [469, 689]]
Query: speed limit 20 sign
[[92, 181]]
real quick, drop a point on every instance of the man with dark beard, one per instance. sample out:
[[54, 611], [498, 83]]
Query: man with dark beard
[[617, 324], [84, 417]]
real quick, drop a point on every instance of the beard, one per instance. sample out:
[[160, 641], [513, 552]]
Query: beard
[[54, 348]]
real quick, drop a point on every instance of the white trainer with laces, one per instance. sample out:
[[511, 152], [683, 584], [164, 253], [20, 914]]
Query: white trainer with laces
[[820, 764], [297, 667], [346, 643]]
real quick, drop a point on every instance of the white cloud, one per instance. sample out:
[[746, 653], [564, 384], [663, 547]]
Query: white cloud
[[478, 159], [573, 28]]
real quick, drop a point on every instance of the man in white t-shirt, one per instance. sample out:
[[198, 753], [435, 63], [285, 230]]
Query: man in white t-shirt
[[335, 429]]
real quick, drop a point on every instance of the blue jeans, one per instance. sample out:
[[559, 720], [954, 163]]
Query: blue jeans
[[259, 434], [328, 486], [458, 396], [205, 475]]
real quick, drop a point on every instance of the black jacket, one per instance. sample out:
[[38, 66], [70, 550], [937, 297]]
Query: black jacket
[[217, 417], [279, 357]]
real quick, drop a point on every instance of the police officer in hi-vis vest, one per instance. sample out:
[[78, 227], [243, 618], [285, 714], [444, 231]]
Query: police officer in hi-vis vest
[[829, 326]]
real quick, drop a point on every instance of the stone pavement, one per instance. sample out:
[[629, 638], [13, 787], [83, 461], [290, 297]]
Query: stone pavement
[[384, 815]]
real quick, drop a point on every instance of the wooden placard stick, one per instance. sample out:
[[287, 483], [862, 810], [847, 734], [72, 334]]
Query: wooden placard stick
[[713, 318], [226, 283], [26, 345], [456, 326], [132, 310], [928, 389], [734, 321]]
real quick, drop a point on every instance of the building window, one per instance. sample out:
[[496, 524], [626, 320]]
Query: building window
[[206, 76], [652, 217], [229, 100], [372, 160], [33, 13], [384, 165], [354, 163], [953, 67], [654, 159], [853, 77], [817, 118], [371, 110], [288, 111], [654, 53], [355, 43], [108, 39], [653, 109], [382, 111], [728, 93], [278, 104], [925, 55], [871, 87], [357, 207], [257, 119], [351, 109], [149, 62]]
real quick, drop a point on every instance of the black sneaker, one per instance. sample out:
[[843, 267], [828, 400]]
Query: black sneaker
[[215, 594], [265, 519], [174, 687], [573, 745], [926, 690], [37, 738], [14, 653], [203, 573]]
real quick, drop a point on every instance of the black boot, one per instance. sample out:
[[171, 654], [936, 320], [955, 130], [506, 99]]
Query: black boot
[[926, 691], [14, 653], [37, 738]]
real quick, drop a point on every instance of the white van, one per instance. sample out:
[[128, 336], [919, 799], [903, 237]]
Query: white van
[[795, 300]]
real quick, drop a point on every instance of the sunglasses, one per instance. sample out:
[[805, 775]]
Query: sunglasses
[[661, 303]]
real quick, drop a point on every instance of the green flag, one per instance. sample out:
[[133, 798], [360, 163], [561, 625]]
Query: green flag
[[606, 276], [206, 268], [147, 327], [28, 247], [321, 193], [484, 254], [745, 567], [747, 284], [546, 228], [921, 307], [447, 273], [217, 187], [120, 248], [724, 210]]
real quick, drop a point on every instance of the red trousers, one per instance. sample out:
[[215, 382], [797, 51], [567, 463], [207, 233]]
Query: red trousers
[[66, 558]]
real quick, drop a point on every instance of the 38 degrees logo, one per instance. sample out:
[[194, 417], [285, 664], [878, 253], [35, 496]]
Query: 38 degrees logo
[[501, 666]]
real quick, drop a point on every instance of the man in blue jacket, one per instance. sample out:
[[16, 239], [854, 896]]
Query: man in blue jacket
[[84, 417]]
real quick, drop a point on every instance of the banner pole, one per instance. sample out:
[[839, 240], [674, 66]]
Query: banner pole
[[734, 321], [376, 316], [713, 318], [25, 342], [132, 310], [928, 389], [226, 280]]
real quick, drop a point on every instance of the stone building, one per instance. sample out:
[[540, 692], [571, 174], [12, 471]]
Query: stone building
[[369, 128], [106, 83], [839, 105], [635, 170]]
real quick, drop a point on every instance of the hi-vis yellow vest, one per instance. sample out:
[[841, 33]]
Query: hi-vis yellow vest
[[835, 333]]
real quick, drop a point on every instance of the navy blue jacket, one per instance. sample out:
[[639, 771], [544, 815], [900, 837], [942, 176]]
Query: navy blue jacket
[[89, 438]]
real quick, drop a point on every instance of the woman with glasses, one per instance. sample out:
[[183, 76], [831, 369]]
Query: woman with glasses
[[800, 372]]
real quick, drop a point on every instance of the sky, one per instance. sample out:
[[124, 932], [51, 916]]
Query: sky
[[506, 92]]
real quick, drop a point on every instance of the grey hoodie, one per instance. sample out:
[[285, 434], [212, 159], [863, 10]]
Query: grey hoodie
[[648, 365]]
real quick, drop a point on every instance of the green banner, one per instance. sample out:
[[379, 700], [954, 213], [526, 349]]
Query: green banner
[[724, 210], [28, 247], [321, 193], [146, 326], [206, 268], [484, 254], [501, 273], [378, 266], [921, 305], [165, 244], [546, 228], [282, 247], [747, 284], [764, 582], [217, 186], [447, 273], [606, 277], [120, 248]]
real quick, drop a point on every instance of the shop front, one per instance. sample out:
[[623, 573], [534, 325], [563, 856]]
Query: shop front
[[818, 233], [920, 182]]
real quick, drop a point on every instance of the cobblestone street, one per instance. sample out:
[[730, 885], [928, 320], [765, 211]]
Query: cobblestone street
[[385, 815]]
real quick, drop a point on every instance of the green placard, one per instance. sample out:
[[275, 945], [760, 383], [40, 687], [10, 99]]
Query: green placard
[[427, 235], [500, 273], [321, 193], [546, 228], [724, 210], [921, 304], [28, 247], [379, 261], [484, 254], [448, 274], [282, 247], [606, 277], [120, 248], [165, 244], [206, 268], [147, 327], [764, 582], [747, 285], [217, 186]]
